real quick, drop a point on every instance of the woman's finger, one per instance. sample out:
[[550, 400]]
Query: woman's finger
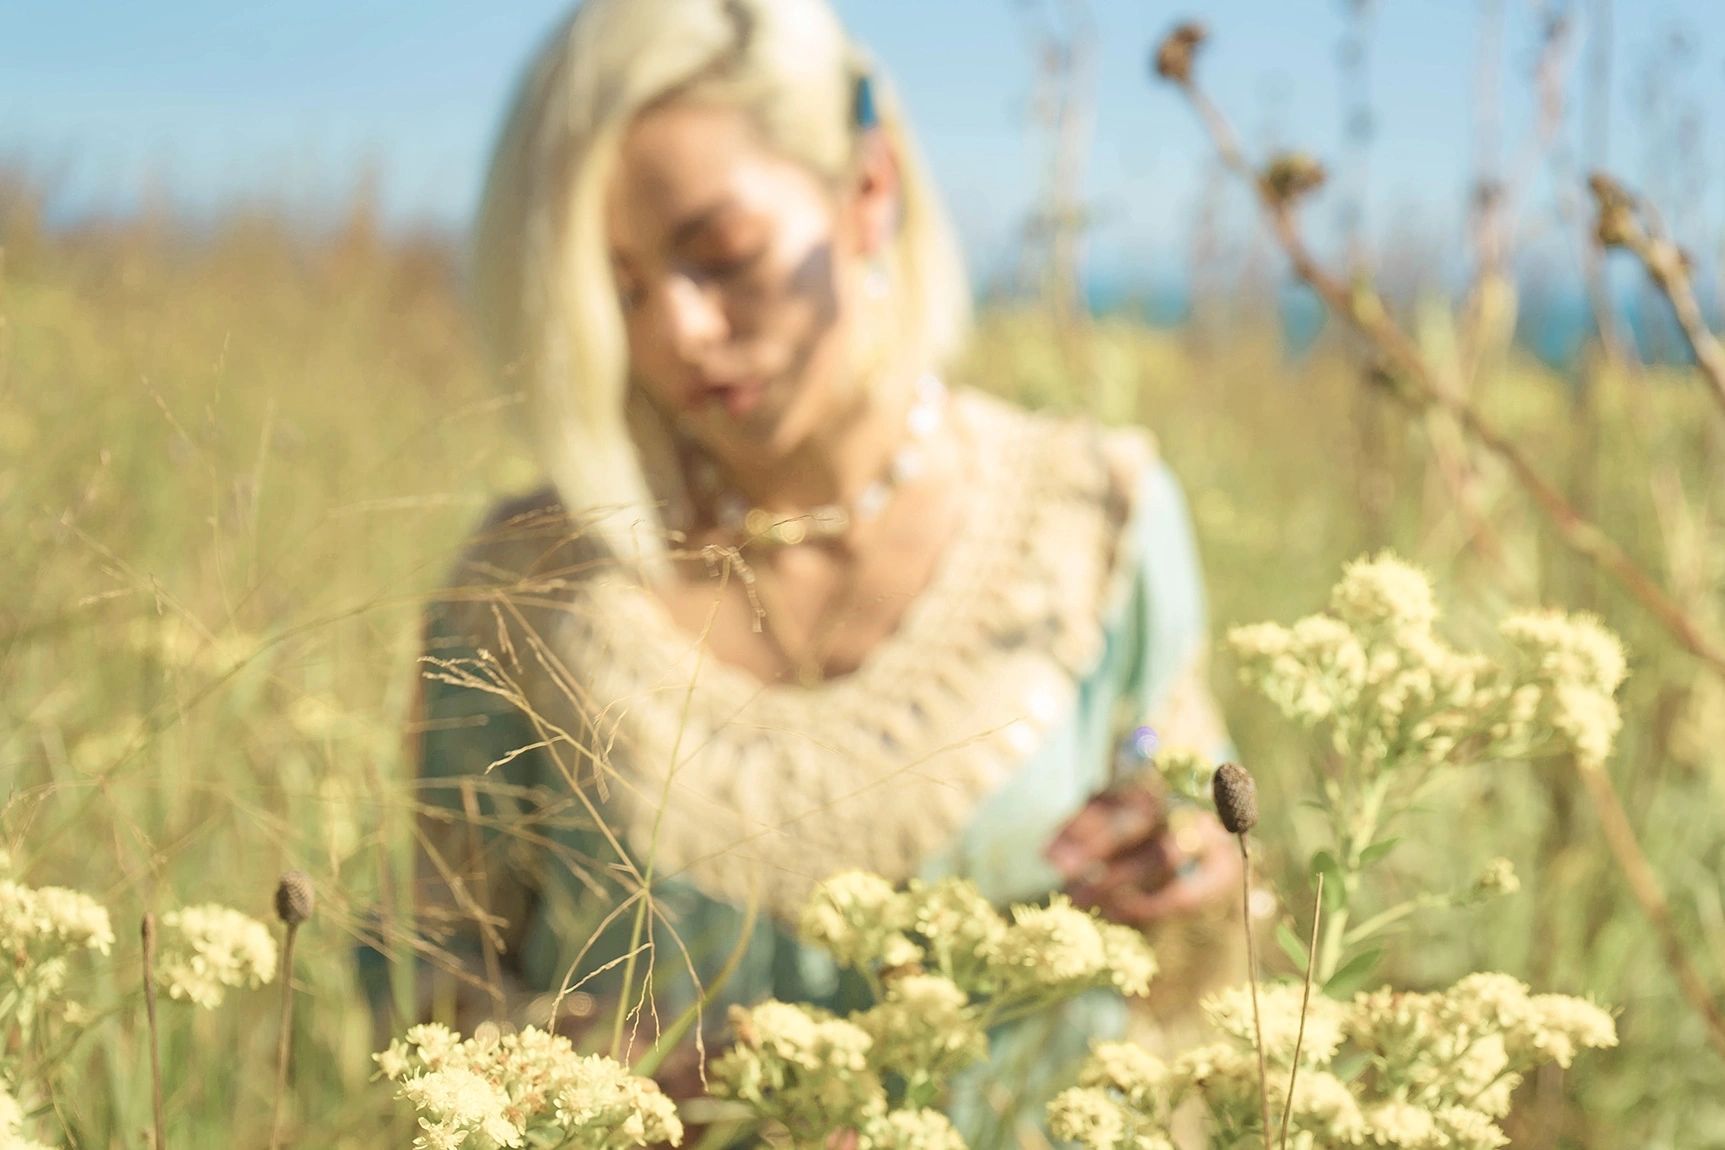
[[1148, 867], [1216, 877], [1107, 826]]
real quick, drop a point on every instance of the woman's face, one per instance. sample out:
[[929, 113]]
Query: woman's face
[[735, 268]]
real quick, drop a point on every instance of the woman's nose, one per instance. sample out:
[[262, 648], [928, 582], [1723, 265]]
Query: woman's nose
[[694, 316]]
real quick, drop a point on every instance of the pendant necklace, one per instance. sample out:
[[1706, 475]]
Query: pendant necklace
[[757, 526]]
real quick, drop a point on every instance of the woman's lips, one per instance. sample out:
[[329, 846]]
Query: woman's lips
[[738, 399]]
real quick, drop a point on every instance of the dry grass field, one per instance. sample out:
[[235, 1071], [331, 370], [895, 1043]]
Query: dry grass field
[[234, 458]]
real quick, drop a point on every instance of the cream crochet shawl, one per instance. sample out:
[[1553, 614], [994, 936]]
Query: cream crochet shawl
[[753, 792]]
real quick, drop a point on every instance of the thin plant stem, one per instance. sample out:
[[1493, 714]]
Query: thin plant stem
[[148, 931], [1644, 885], [1305, 1001], [1252, 976], [284, 1040]]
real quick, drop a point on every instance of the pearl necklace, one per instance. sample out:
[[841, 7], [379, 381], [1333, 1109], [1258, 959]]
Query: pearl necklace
[[829, 521]]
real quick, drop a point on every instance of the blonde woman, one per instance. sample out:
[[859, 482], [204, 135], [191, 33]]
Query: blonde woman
[[789, 603]]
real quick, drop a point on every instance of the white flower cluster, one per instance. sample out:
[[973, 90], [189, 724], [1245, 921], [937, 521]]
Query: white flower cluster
[[858, 916], [1376, 678], [921, 1129], [1496, 879], [801, 1066], [41, 929], [509, 1090], [950, 928], [924, 1029], [12, 1135], [204, 950], [947, 965], [1575, 666], [1439, 1068], [1121, 1100]]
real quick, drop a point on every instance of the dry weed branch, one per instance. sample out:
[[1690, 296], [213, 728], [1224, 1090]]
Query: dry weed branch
[[1280, 187], [1644, 885], [1620, 222]]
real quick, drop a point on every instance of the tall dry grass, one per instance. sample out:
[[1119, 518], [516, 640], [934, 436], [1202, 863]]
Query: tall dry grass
[[234, 458]]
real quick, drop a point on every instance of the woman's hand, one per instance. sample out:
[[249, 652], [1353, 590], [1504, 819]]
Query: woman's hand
[[1126, 856]]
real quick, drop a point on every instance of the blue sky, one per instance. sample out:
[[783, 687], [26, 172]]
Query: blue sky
[[213, 101]]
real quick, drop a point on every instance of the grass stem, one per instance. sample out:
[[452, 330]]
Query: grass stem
[[284, 1040], [1305, 1002], [1252, 975], [148, 932]]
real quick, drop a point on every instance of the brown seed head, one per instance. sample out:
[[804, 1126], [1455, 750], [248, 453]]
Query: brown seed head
[[295, 898], [1174, 56], [1236, 796], [1290, 176], [1615, 225]]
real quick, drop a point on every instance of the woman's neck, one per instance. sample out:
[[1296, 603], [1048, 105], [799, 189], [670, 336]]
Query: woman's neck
[[833, 465]]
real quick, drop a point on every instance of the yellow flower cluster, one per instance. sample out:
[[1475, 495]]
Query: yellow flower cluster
[[1440, 1068], [1374, 676], [205, 950], [511, 1090]]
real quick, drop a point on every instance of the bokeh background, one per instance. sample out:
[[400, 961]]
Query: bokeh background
[[242, 426]]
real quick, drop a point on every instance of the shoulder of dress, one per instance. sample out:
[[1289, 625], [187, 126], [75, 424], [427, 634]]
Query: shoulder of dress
[[1068, 450], [521, 537], [520, 561]]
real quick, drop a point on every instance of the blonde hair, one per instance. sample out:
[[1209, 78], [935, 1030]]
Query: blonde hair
[[546, 297]]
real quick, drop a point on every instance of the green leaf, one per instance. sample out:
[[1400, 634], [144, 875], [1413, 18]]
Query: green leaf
[[1353, 973], [1378, 850], [1291, 945], [1335, 891]]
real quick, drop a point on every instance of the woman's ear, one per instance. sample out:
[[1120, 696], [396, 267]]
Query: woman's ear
[[875, 201]]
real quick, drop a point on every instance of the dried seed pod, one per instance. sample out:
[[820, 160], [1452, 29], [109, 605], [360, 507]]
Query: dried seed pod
[[1291, 176], [1236, 796], [295, 898], [1615, 225], [1174, 56]]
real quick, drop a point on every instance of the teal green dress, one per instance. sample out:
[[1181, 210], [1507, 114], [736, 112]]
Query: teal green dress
[[1069, 609]]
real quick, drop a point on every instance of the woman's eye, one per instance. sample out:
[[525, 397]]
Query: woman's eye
[[731, 264]]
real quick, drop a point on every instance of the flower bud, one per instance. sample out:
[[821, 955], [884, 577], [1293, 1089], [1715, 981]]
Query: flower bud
[[1175, 54], [1290, 176], [295, 899], [1236, 796]]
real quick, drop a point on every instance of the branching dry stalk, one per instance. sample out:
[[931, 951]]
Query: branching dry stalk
[[1280, 187], [1620, 223], [1644, 885]]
